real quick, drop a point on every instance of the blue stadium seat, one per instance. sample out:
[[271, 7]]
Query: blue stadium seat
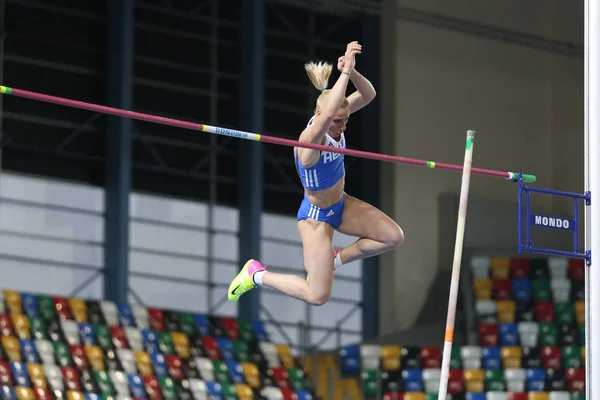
[[29, 351], [259, 329], [536, 379], [87, 333], [490, 357], [413, 379], [126, 315], [350, 359], [19, 372], [226, 348], [136, 386], [303, 395], [476, 396], [213, 389], [159, 364], [30, 305], [202, 324], [9, 393], [508, 334], [236, 373], [521, 289], [150, 340]]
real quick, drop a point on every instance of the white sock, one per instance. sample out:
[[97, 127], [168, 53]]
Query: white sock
[[257, 277], [337, 261]]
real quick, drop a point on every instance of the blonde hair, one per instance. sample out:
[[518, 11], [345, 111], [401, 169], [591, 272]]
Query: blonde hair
[[319, 74]]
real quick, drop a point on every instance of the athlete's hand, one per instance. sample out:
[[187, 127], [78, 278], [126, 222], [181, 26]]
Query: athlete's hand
[[347, 62]]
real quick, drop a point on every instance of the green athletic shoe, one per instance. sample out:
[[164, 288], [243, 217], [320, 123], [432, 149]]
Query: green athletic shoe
[[243, 282]]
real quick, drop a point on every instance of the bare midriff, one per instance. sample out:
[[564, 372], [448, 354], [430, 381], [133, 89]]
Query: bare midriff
[[328, 197]]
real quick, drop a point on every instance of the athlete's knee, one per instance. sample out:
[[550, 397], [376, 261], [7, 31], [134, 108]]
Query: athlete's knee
[[318, 298], [393, 236]]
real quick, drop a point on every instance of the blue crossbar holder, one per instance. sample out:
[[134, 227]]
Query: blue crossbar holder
[[546, 221]]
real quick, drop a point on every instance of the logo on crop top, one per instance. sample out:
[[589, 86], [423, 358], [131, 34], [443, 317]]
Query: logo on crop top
[[329, 157]]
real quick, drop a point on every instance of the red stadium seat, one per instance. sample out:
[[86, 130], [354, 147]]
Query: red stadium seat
[[231, 328], [576, 379], [544, 311], [551, 357], [119, 337], [157, 319], [61, 304], [431, 357], [79, 356], [211, 347], [577, 269], [502, 289], [174, 367], [488, 334]]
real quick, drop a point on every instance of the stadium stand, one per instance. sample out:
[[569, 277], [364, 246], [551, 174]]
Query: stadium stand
[[529, 321], [531, 342], [67, 348]]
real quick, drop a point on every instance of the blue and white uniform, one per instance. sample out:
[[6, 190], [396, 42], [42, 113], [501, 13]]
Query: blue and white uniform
[[323, 175]]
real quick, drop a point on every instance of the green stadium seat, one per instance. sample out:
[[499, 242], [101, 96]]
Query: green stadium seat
[[186, 324], [104, 383], [240, 349], [548, 334], [246, 330], [167, 387], [296, 377], [455, 360], [564, 312], [369, 382], [165, 343], [571, 357], [103, 337], [38, 328], [62, 354], [494, 380], [221, 373], [541, 290], [47, 310]]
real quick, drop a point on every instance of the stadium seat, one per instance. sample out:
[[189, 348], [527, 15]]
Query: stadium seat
[[350, 359]]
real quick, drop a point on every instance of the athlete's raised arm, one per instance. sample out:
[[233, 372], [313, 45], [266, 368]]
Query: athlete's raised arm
[[330, 101], [365, 92]]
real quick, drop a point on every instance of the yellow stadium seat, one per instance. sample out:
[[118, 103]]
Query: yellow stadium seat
[[511, 356], [347, 389], [500, 267], [244, 392], [37, 376], [537, 396], [13, 301], [414, 396], [506, 311], [580, 311], [582, 355], [251, 374], [75, 395], [144, 363], [95, 356], [474, 380], [21, 324], [390, 357], [285, 355], [79, 309], [12, 348], [483, 289], [24, 393], [181, 343]]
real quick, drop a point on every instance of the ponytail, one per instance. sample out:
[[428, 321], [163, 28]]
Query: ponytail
[[318, 74]]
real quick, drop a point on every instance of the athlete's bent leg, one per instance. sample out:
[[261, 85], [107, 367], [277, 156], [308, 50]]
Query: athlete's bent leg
[[316, 239], [377, 232]]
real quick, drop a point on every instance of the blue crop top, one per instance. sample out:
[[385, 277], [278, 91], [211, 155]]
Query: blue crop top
[[328, 170]]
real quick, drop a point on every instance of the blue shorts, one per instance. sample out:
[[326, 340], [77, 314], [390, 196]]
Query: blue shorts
[[332, 215]]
